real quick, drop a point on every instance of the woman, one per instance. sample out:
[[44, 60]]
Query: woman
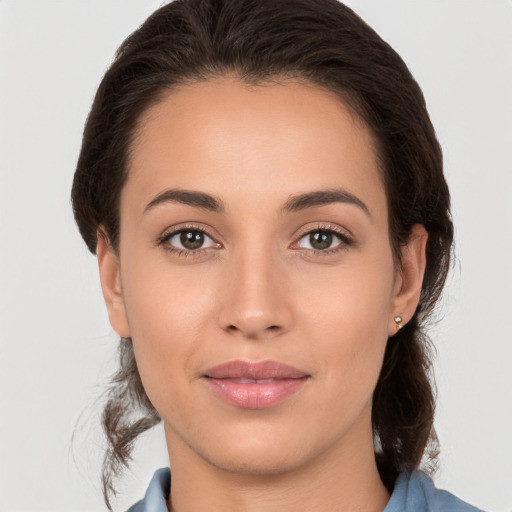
[[263, 189]]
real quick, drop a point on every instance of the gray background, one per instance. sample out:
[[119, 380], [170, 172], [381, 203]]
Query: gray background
[[56, 346]]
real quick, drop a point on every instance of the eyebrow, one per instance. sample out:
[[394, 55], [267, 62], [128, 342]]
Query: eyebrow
[[188, 197], [322, 197], [293, 204]]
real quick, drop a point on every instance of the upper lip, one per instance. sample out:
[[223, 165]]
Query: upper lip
[[254, 370]]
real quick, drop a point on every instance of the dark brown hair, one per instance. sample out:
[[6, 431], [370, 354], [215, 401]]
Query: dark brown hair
[[324, 43]]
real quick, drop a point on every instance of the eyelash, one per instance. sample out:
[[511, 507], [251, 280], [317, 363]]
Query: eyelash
[[346, 241], [184, 253]]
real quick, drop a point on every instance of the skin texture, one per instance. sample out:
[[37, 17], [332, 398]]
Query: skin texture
[[257, 290]]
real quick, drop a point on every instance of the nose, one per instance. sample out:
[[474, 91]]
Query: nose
[[256, 297]]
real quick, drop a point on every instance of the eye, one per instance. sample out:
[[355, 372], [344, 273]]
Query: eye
[[323, 240], [188, 240]]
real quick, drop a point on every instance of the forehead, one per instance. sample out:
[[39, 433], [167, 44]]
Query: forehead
[[235, 141]]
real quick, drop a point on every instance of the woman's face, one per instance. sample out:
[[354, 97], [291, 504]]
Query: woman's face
[[255, 274]]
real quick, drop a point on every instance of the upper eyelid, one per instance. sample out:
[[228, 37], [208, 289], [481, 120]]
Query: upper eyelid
[[320, 226], [174, 230]]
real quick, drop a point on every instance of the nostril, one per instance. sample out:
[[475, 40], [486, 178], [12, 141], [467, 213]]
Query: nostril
[[271, 329]]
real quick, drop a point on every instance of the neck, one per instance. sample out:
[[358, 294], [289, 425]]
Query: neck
[[339, 479]]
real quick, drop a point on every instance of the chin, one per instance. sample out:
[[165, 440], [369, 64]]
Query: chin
[[269, 462], [259, 451]]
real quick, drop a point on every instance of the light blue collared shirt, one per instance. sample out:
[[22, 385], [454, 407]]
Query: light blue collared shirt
[[413, 492]]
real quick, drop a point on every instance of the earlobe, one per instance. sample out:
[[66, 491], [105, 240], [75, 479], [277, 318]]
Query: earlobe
[[410, 279], [110, 279]]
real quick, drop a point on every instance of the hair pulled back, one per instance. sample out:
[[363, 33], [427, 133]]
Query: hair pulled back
[[324, 43]]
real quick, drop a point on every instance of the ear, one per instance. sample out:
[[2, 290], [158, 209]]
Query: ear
[[110, 278], [410, 278]]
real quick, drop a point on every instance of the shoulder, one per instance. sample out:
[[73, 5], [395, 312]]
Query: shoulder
[[156, 496], [415, 492]]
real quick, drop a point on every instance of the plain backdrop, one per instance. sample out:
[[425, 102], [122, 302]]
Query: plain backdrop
[[56, 346]]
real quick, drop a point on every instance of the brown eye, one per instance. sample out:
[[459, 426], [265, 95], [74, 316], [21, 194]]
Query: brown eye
[[189, 240], [321, 240], [192, 239]]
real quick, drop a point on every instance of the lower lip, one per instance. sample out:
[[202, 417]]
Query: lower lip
[[255, 395]]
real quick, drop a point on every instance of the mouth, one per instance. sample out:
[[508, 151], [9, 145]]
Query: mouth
[[255, 385]]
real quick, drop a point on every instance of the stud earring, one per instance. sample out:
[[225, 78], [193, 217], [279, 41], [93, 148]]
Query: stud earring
[[398, 321]]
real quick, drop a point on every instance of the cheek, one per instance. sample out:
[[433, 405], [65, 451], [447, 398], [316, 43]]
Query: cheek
[[354, 338], [162, 299], [349, 357], [167, 312], [355, 297], [348, 317]]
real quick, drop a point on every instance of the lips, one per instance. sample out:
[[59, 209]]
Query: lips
[[255, 385]]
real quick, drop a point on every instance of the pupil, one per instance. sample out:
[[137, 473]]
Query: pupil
[[320, 240], [192, 239]]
